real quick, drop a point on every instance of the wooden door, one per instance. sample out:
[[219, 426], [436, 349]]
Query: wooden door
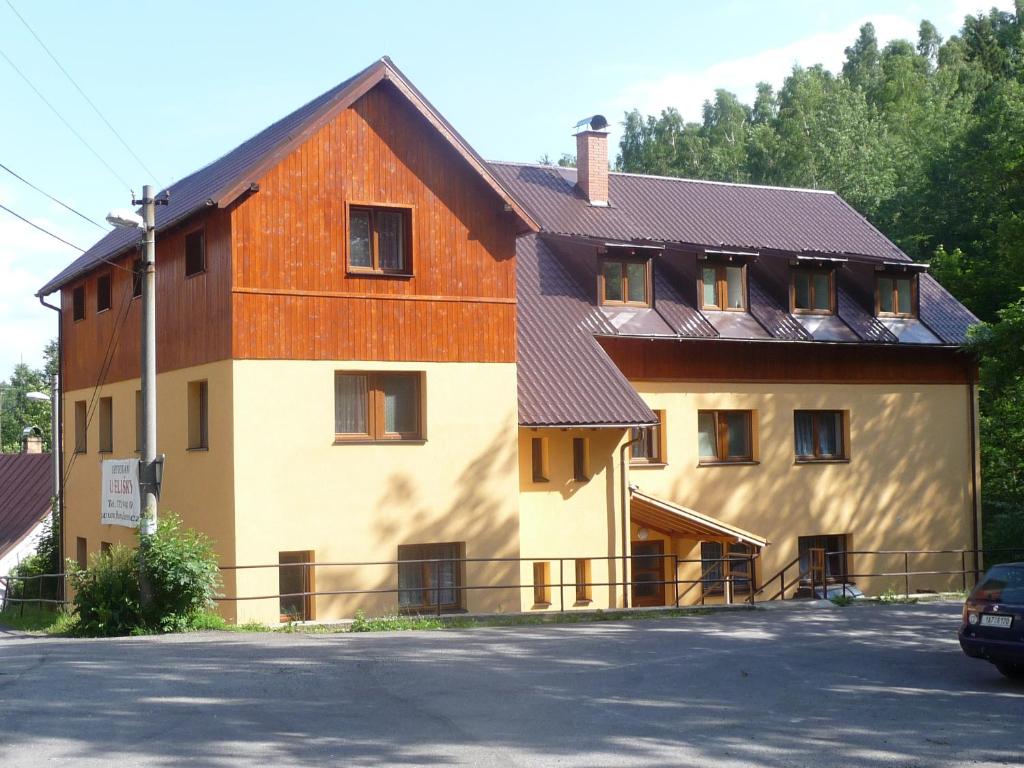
[[648, 573]]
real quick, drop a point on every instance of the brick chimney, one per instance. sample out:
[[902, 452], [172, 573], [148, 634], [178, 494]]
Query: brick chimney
[[31, 440], [592, 159]]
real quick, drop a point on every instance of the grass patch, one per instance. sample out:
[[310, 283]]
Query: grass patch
[[37, 619]]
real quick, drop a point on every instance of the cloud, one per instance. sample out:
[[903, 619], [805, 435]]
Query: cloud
[[687, 90]]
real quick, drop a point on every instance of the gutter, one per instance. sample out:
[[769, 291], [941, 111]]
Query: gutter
[[57, 441]]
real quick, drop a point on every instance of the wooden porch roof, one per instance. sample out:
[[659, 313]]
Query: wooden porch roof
[[675, 519]]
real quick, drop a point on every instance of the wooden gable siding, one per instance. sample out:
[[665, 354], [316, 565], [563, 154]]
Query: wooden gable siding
[[193, 313], [727, 361], [292, 296]]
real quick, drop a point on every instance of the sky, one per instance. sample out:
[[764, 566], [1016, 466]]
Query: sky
[[184, 82]]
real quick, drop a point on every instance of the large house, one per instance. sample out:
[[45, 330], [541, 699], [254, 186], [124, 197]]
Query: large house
[[534, 387]]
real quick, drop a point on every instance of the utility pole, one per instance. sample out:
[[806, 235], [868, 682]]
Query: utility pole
[[148, 344]]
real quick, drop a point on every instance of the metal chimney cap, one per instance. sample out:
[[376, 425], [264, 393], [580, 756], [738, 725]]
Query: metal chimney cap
[[592, 123]]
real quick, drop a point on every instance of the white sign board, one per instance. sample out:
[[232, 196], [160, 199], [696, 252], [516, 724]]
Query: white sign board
[[119, 494]]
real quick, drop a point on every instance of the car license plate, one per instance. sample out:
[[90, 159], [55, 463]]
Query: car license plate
[[1003, 622]]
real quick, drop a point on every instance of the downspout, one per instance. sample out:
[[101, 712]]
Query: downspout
[[971, 403], [57, 441], [625, 517]]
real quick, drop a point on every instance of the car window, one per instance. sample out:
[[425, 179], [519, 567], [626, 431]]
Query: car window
[[1002, 584]]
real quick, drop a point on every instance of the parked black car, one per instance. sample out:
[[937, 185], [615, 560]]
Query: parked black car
[[993, 621]]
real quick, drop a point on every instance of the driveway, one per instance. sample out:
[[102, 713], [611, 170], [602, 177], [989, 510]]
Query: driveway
[[864, 686]]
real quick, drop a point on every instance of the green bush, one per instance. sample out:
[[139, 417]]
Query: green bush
[[183, 576], [107, 593], [44, 560], [181, 572]]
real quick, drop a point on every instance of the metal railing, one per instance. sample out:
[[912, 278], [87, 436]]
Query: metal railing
[[715, 576]]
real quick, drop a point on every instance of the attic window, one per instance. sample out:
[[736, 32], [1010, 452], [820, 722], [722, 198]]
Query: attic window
[[896, 296], [195, 253], [379, 240], [812, 292], [723, 286], [625, 283]]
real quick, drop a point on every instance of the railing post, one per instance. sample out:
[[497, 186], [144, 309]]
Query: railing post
[[561, 583], [906, 572], [963, 569], [437, 587], [782, 584], [750, 578], [675, 578]]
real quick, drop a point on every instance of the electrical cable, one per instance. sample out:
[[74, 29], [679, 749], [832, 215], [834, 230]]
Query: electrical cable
[[41, 229], [60, 117], [58, 202], [83, 94]]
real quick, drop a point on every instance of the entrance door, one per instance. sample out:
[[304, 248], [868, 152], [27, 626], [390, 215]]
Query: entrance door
[[648, 573]]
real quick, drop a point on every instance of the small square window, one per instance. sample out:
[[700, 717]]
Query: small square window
[[78, 303], [812, 292], [819, 435], [379, 240], [896, 296], [725, 436], [378, 406], [625, 282], [723, 286], [195, 253], [105, 547], [103, 293], [430, 576]]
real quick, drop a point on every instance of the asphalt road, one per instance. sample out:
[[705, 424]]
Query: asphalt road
[[860, 686]]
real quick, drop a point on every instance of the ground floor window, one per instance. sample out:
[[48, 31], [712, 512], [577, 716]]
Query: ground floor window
[[720, 562], [295, 579], [542, 583], [430, 576], [835, 565], [583, 578]]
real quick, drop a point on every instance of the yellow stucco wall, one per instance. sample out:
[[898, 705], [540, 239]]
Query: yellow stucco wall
[[563, 518], [297, 490], [197, 484], [906, 486]]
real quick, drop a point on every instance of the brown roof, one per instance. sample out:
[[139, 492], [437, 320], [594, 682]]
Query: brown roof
[[26, 487], [565, 377], [688, 211], [224, 180], [779, 223]]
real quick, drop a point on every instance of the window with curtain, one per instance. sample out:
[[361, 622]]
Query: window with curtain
[[625, 282], [723, 287], [430, 576], [725, 436], [377, 406], [812, 292], [896, 295], [379, 240], [819, 435]]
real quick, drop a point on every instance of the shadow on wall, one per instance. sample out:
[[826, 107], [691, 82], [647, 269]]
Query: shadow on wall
[[892, 495], [483, 513]]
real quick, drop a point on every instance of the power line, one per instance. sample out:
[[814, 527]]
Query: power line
[[44, 231], [61, 118], [82, 93], [46, 194]]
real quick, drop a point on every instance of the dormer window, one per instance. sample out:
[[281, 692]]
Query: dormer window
[[896, 295], [723, 286], [812, 292], [625, 282]]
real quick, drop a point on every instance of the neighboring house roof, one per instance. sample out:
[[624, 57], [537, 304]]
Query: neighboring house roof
[[223, 181], [26, 488], [565, 377]]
